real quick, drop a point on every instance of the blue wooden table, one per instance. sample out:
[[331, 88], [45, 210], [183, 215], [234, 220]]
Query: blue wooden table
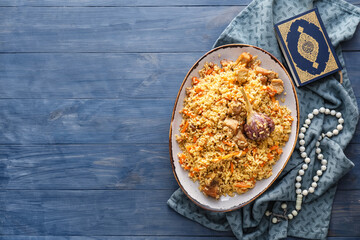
[[86, 94]]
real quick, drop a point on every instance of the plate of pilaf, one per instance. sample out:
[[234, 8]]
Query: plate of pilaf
[[234, 126]]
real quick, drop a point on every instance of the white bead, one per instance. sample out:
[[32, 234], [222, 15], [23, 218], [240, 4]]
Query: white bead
[[335, 132], [301, 172], [298, 185], [303, 155], [323, 168], [324, 162], [319, 172], [314, 184], [303, 130], [310, 116], [320, 156], [301, 135], [307, 121], [339, 127], [305, 192], [316, 178], [333, 112], [327, 111], [316, 111], [338, 114], [302, 142], [307, 160], [320, 138], [274, 220], [283, 206], [298, 191], [290, 216], [295, 213], [298, 178], [305, 125], [329, 134], [322, 109], [341, 120], [298, 207], [311, 189], [267, 213], [302, 149], [317, 143], [318, 150], [305, 166]]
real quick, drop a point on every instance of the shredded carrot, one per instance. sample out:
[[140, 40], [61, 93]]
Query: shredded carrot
[[197, 90], [231, 167], [209, 71], [242, 185], [191, 174], [270, 156], [185, 127], [182, 157], [279, 151], [195, 80], [228, 143], [187, 113], [274, 147], [194, 139], [196, 169], [210, 134], [221, 149], [186, 167], [273, 99]]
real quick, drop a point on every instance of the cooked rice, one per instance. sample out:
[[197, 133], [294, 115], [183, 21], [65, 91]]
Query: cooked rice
[[209, 153]]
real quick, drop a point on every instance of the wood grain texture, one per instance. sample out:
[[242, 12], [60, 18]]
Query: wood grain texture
[[44, 121], [134, 3], [107, 75], [140, 166], [114, 29], [124, 166], [109, 29], [124, 212]]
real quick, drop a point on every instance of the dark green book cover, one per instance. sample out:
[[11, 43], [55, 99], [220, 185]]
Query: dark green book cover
[[307, 47]]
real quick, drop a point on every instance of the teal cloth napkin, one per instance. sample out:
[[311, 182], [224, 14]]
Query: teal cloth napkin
[[254, 25]]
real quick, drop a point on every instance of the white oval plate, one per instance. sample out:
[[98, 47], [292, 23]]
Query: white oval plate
[[190, 188]]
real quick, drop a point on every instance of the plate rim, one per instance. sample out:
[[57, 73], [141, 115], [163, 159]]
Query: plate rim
[[240, 45]]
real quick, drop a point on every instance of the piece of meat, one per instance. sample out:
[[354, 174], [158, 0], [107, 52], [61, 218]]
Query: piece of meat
[[225, 62], [262, 71], [263, 79], [212, 190], [244, 58], [272, 75], [242, 76], [240, 140], [235, 109], [277, 85], [232, 124]]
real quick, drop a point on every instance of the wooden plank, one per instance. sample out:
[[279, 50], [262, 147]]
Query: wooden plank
[[114, 3], [114, 29], [128, 166], [86, 167], [107, 75], [87, 213], [126, 212], [17, 237], [94, 75], [135, 3], [43, 121], [346, 209]]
